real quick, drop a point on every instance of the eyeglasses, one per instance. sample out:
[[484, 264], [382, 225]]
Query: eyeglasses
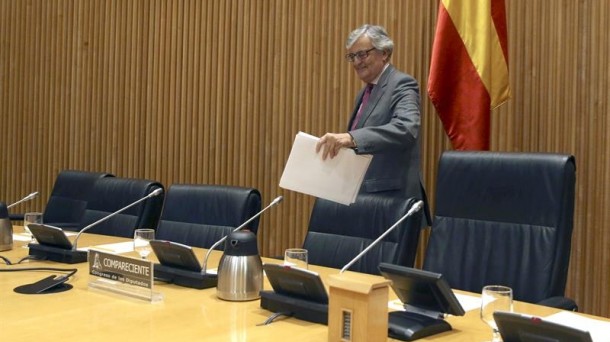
[[362, 54]]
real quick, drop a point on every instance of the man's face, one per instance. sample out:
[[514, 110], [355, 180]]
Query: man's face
[[369, 67]]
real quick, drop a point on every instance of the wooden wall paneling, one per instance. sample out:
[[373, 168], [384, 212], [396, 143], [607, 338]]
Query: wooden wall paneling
[[185, 91]]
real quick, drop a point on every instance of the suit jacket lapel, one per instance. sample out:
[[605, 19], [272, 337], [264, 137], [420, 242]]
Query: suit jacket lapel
[[376, 94]]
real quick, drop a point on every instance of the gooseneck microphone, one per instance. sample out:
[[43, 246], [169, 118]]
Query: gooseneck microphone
[[198, 279], [207, 255], [414, 208], [26, 198], [53, 244], [156, 192]]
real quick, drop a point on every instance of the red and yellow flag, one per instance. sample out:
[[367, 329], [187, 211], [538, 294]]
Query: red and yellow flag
[[469, 69]]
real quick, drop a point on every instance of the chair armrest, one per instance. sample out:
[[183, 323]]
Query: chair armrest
[[16, 217], [560, 303]]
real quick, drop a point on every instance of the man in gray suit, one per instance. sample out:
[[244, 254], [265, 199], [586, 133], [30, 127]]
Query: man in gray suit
[[385, 121]]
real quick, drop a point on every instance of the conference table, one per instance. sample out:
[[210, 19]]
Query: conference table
[[85, 313]]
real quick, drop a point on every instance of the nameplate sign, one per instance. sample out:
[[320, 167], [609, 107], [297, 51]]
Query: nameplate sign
[[123, 275], [122, 269]]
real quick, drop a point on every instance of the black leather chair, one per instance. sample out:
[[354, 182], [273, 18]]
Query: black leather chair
[[69, 197], [111, 194], [337, 233], [200, 215], [505, 219]]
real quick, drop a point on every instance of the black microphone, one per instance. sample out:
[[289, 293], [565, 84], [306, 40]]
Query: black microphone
[[414, 208], [53, 244], [201, 279], [26, 198]]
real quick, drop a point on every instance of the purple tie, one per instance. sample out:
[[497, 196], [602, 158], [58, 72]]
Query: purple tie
[[365, 100]]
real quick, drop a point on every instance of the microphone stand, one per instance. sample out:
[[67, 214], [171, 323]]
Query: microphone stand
[[207, 255], [414, 208], [26, 198], [152, 194]]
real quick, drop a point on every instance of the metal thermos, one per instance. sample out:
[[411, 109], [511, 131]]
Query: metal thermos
[[6, 229], [240, 271]]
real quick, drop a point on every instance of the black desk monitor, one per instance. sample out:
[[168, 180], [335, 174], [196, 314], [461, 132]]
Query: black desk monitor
[[50, 236], [54, 245], [296, 282], [176, 255], [426, 297], [515, 327], [178, 264], [296, 292]]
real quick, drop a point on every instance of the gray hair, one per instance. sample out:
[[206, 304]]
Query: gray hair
[[377, 34]]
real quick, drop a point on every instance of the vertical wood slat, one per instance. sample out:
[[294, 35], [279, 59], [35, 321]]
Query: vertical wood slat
[[187, 91]]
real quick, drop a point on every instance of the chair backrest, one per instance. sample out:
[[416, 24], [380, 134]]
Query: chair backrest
[[503, 218], [112, 194], [337, 233], [200, 215], [68, 200]]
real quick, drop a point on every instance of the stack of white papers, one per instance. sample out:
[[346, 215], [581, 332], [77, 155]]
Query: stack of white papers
[[597, 328], [337, 179]]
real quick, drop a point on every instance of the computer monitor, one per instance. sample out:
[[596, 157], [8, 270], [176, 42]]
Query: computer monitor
[[50, 236], [517, 327], [426, 297], [176, 255], [296, 282], [296, 292]]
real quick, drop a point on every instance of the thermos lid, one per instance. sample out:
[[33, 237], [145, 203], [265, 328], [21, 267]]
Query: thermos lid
[[3, 210], [241, 243]]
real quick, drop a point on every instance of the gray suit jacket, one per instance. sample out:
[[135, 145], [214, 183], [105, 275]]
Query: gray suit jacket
[[389, 130]]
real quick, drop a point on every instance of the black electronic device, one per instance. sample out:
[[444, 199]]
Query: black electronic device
[[178, 264], [516, 327], [50, 235], [53, 244], [175, 254], [426, 297], [50, 284], [296, 292], [296, 282]]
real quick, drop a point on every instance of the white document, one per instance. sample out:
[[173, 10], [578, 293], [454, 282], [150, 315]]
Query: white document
[[116, 248], [468, 302], [597, 328], [338, 179]]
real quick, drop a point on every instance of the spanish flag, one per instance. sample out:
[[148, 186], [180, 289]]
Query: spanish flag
[[469, 69]]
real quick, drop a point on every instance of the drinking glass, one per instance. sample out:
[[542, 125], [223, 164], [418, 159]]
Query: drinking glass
[[296, 257], [31, 218], [141, 241], [495, 298]]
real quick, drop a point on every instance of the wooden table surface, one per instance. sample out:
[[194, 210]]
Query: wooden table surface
[[185, 314]]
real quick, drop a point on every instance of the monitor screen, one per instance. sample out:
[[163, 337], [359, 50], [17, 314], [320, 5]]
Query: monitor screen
[[296, 282], [177, 255], [422, 289], [50, 236]]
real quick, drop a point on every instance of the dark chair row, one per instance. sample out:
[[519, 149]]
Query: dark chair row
[[199, 215], [196, 215], [500, 218], [81, 198]]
